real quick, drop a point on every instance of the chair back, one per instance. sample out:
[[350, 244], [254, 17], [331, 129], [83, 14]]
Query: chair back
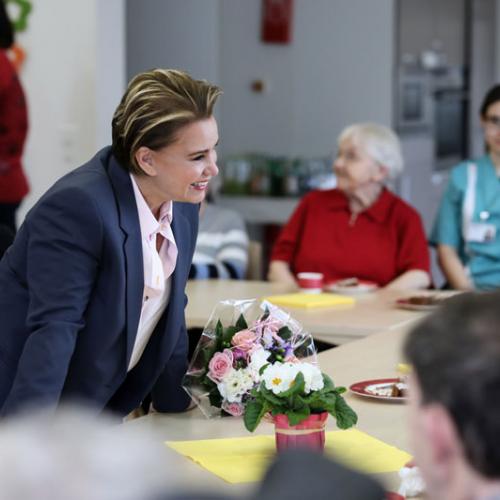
[[254, 269]]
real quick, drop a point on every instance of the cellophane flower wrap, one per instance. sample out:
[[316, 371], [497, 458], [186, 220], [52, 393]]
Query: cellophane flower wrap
[[240, 338]]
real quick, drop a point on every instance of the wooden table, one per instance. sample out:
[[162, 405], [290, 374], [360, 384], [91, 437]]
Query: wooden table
[[372, 312], [375, 356]]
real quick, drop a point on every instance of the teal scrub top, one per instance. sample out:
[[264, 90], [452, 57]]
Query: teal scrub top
[[482, 258]]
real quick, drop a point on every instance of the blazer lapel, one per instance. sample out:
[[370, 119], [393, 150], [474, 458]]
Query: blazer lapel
[[132, 247]]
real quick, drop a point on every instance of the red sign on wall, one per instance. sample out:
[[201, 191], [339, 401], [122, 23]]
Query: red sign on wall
[[277, 21]]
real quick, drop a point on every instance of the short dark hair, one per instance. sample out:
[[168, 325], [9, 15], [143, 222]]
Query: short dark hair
[[455, 354], [6, 29], [155, 106], [491, 97]]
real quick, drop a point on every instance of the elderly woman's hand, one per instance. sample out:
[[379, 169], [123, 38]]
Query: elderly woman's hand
[[410, 280], [279, 272]]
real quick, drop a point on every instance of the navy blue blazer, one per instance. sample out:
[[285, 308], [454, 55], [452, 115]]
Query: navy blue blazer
[[71, 290]]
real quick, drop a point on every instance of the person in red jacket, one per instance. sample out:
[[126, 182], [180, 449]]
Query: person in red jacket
[[359, 229], [13, 129]]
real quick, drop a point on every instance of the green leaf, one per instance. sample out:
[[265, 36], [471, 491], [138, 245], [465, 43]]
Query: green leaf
[[263, 368], [219, 337], [312, 397], [296, 417], [209, 384], [207, 355], [328, 383], [219, 329], [254, 411], [215, 399], [327, 400], [285, 333], [345, 415], [296, 388], [241, 324], [229, 334], [271, 397]]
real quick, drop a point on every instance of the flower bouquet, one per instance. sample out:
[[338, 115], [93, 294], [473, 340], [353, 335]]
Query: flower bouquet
[[299, 397], [240, 339]]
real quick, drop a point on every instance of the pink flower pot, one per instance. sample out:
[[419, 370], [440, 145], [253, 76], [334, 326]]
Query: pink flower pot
[[308, 434]]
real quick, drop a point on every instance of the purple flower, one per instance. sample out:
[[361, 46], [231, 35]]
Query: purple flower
[[239, 354]]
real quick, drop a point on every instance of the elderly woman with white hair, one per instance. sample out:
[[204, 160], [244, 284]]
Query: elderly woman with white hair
[[359, 229]]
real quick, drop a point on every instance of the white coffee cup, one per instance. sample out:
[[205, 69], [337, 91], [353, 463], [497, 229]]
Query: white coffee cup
[[310, 282]]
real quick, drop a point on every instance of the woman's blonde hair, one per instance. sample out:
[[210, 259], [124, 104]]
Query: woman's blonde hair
[[155, 106], [378, 142]]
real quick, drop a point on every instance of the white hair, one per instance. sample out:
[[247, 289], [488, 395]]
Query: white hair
[[74, 455], [378, 142]]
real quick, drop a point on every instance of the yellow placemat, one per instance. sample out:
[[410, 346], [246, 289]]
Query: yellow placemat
[[245, 459], [310, 300]]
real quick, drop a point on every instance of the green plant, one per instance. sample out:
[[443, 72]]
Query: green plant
[[297, 390]]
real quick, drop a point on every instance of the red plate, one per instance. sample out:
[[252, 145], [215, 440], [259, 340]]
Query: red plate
[[390, 495], [406, 304], [361, 287], [369, 388]]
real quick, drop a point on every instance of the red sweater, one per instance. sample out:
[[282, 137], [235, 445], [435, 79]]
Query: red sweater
[[380, 244], [13, 129]]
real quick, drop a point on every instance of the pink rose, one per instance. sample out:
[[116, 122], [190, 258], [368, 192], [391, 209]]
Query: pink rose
[[234, 409], [245, 340], [220, 365]]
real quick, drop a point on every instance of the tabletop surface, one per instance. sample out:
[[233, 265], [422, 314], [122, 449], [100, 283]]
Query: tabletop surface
[[371, 313], [373, 357]]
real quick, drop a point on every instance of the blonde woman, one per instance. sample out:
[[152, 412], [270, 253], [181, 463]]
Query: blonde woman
[[359, 229], [92, 290]]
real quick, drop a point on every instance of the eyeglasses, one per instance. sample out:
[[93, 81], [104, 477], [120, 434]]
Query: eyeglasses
[[492, 123]]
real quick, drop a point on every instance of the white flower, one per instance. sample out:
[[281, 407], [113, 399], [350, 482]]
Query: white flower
[[412, 483], [236, 384], [279, 377], [312, 377], [258, 359]]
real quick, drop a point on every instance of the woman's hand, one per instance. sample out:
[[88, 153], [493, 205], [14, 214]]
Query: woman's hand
[[453, 269], [413, 279], [279, 272]]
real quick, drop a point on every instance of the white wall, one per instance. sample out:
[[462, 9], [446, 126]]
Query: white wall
[[173, 34], [71, 78], [111, 79], [337, 70]]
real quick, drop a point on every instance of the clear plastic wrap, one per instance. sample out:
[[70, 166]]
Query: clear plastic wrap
[[239, 340]]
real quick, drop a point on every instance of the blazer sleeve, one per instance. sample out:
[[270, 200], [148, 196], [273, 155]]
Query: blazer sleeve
[[63, 252]]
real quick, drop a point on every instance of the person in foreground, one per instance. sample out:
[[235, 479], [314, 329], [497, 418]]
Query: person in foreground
[[92, 289], [467, 227], [454, 398], [359, 229], [300, 474], [76, 455]]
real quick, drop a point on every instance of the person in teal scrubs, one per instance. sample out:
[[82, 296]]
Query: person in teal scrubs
[[467, 228]]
